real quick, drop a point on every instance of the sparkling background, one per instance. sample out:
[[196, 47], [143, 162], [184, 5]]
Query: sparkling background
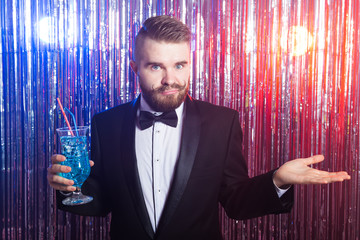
[[291, 68]]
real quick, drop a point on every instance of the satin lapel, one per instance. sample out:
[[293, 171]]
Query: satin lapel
[[131, 171], [188, 149]]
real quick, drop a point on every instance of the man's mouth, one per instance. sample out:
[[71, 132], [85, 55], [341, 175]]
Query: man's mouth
[[170, 91]]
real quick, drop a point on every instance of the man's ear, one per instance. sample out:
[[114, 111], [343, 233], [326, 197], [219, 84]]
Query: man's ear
[[133, 66]]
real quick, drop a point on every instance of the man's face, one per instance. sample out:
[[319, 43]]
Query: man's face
[[164, 72]]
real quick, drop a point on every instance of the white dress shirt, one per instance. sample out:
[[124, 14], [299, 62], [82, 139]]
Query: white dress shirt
[[156, 160]]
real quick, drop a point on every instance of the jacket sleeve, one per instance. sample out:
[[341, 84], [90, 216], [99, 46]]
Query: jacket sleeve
[[243, 197], [93, 186]]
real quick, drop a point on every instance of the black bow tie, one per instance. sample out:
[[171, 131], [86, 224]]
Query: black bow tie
[[147, 119]]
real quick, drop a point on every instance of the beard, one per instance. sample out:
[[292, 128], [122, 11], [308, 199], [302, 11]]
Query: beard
[[165, 103]]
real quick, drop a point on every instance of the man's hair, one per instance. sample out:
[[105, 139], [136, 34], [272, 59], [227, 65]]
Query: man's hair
[[162, 28]]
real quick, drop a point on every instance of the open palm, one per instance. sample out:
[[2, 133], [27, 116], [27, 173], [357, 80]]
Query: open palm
[[298, 172]]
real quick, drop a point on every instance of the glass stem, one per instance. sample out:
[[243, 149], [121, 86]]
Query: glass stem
[[77, 191]]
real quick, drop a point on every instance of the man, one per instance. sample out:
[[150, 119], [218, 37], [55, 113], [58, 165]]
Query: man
[[162, 178]]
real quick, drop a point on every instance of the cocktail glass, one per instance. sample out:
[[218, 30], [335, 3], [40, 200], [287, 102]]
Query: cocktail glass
[[74, 146]]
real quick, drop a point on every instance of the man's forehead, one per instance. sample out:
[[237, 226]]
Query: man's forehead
[[158, 51]]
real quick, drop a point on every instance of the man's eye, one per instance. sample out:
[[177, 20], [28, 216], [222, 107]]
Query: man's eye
[[179, 66], [155, 67]]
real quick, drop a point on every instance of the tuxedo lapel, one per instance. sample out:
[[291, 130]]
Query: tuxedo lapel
[[188, 148], [130, 167]]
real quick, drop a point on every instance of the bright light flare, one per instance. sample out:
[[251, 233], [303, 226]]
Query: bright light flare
[[44, 28], [297, 41], [48, 33]]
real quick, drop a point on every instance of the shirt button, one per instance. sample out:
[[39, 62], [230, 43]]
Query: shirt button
[[157, 160], [157, 131]]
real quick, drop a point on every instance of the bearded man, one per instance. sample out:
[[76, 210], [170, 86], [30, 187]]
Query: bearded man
[[164, 161]]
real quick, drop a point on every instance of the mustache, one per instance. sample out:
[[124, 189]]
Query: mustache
[[167, 87]]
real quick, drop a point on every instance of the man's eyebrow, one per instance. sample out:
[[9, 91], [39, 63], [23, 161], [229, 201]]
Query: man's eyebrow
[[160, 64], [153, 63], [182, 62]]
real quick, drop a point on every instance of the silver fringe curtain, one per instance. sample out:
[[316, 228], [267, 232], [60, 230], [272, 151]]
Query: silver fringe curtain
[[291, 68]]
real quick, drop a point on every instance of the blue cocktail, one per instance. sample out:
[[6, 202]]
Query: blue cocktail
[[74, 146]]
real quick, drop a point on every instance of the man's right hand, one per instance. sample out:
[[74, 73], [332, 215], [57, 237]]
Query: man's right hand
[[55, 181]]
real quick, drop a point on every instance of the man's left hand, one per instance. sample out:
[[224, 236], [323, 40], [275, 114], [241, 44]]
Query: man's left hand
[[298, 172]]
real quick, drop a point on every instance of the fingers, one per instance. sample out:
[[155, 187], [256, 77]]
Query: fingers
[[60, 180], [324, 174], [314, 159], [57, 168], [332, 176], [63, 188], [56, 158], [91, 163], [322, 177], [60, 183], [340, 176], [327, 180], [55, 181]]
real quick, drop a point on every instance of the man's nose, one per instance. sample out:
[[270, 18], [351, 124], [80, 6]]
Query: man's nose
[[169, 77]]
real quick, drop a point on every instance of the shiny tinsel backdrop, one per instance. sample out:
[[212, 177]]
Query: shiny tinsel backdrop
[[291, 68]]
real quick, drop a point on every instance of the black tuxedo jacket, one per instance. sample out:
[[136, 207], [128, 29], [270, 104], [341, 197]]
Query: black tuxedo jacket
[[210, 169]]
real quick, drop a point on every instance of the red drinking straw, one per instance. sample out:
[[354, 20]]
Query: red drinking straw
[[66, 120]]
